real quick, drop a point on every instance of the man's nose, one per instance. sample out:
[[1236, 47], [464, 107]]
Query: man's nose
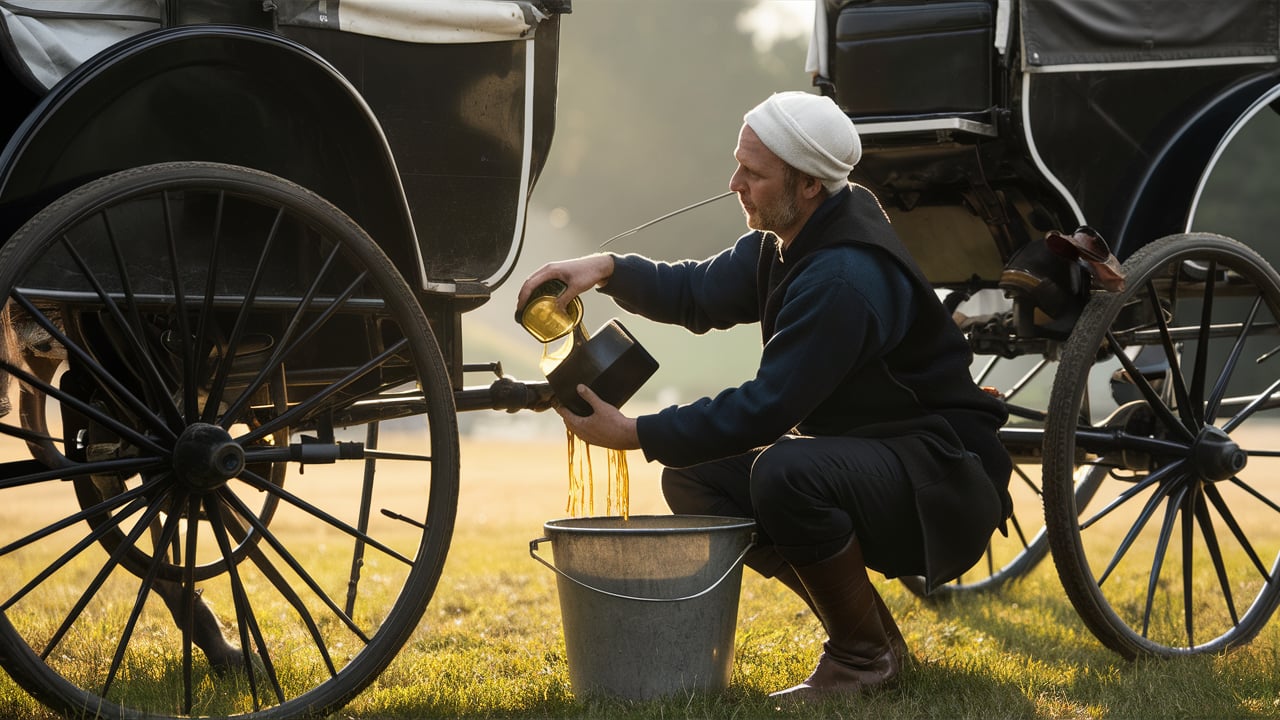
[[735, 181]]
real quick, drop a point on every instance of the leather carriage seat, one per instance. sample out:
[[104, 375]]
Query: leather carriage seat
[[902, 58]]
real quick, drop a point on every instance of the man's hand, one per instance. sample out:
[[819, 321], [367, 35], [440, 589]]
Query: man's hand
[[580, 275], [605, 427]]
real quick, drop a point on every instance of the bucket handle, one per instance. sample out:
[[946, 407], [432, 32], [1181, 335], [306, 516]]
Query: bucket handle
[[533, 552]]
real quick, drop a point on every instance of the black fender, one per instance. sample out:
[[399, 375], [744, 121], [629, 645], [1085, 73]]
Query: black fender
[[217, 93], [1169, 187]]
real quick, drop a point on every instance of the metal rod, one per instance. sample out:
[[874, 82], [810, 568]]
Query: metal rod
[[638, 228]]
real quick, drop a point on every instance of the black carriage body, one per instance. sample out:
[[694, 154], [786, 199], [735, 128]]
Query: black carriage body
[[432, 147], [986, 124], [239, 243]]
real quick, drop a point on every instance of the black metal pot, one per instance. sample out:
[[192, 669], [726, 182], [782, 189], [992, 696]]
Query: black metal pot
[[612, 363]]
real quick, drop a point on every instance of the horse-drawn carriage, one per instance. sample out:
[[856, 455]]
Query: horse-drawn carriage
[[241, 237]]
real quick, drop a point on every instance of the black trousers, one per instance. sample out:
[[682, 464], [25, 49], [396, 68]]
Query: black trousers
[[808, 495]]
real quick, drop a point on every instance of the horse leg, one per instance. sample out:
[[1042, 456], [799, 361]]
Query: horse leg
[[206, 630]]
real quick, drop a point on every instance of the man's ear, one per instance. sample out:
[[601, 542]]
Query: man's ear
[[811, 188]]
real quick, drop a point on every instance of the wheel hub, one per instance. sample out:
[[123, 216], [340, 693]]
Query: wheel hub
[[1215, 456], [205, 456]]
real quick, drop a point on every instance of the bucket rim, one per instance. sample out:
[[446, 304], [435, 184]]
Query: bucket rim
[[711, 523]]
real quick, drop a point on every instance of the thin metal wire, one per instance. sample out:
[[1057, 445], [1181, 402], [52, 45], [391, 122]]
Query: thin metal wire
[[686, 208]]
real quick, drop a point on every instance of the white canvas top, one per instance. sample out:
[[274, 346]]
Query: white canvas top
[[52, 38], [417, 21], [46, 39]]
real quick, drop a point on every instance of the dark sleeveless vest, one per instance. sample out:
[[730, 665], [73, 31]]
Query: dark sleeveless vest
[[919, 396]]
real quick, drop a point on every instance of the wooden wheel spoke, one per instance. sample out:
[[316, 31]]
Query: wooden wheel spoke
[[167, 534], [1026, 479], [1181, 398], [1144, 516], [1017, 529], [278, 581], [1229, 366], [295, 414], [188, 600], [1188, 563], [104, 572], [246, 617], [1157, 405], [140, 356], [1205, 521], [238, 329], [1173, 502], [188, 382], [262, 484], [1152, 479], [293, 337], [1220, 504], [1204, 415]]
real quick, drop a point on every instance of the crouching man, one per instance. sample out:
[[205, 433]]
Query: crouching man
[[862, 441]]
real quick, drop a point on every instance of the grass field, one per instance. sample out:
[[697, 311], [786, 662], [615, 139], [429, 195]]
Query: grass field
[[491, 643]]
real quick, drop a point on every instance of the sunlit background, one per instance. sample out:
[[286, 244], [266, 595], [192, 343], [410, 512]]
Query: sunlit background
[[651, 97]]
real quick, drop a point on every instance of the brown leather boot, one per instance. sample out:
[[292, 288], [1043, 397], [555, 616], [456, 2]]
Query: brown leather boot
[[859, 654], [787, 576]]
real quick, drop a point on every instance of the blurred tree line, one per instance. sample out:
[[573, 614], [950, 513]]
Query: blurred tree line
[[651, 99]]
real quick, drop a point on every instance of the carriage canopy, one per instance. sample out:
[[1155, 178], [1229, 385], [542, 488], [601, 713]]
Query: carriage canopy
[[1061, 35], [1067, 35], [45, 40]]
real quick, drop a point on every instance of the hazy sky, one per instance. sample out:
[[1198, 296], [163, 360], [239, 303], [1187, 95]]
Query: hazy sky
[[769, 21]]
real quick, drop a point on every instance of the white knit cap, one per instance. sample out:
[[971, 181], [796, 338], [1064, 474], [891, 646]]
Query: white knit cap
[[810, 133]]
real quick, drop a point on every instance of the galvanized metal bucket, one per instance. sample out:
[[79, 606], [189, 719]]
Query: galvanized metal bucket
[[649, 604]]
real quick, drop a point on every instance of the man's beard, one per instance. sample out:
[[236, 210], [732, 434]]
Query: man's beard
[[777, 216], [780, 215]]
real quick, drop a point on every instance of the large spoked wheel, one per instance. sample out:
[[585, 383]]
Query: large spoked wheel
[[230, 481], [1177, 552]]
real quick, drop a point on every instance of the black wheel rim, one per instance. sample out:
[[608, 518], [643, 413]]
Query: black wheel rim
[[1176, 553], [247, 419]]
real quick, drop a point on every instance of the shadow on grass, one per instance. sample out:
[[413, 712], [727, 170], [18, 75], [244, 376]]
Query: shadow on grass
[[491, 647], [921, 691], [1032, 617], [776, 647], [1030, 635]]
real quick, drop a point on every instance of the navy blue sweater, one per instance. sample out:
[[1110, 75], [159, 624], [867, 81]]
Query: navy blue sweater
[[838, 315], [855, 343]]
